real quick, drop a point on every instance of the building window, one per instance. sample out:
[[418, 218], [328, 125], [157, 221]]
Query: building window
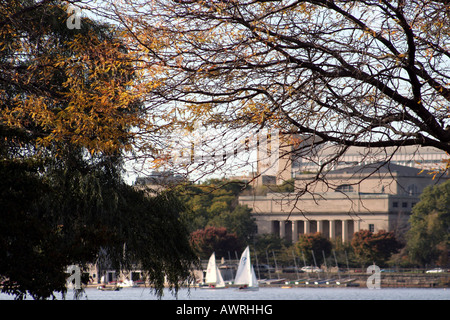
[[344, 188], [404, 204], [412, 189], [371, 227], [395, 204]]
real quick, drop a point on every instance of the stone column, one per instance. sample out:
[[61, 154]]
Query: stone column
[[344, 230], [332, 229], [294, 231], [320, 226], [307, 227]]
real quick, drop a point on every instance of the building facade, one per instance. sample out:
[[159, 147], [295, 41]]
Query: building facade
[[281, 157], [377, 196]]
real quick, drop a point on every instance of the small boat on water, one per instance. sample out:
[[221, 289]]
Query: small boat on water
[[213, 279], [127, 284], [245, 274], [326, 281], [274, 281], [108, 288], [345, 281], [296, 282]]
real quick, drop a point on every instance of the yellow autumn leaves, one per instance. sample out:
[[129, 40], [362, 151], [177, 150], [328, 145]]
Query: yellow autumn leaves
[[84, 94]]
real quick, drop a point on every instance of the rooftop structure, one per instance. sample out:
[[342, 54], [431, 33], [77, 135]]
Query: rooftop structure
[[283, 157]]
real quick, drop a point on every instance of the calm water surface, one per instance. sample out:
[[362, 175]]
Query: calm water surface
[[268, 294]]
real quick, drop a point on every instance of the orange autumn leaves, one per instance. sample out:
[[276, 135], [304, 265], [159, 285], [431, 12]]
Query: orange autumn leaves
[[87, 97]]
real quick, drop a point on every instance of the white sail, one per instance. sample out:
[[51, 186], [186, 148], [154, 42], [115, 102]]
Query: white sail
[[213, 275], [220, 283], [245, 274]]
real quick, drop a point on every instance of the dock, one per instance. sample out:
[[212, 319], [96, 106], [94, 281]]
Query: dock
[[388, 280]]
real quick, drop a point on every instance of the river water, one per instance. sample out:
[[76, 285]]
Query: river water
[[269, 302], [279, 294], [265, 293]]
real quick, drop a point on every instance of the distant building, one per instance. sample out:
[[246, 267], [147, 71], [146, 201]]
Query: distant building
[[377, 196], [158, 180], [281, 157], [427, 158]]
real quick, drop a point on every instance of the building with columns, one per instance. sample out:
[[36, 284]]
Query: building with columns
[[373, 197], [281, 157]]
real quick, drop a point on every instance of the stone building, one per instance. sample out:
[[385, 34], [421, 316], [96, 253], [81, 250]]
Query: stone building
[[283, 156], [377, 196]]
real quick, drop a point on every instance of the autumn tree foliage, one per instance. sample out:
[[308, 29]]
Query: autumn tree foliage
[[370, 247], [312, 247], [348, 73], [66, 86], [215, 239], [69, 110]]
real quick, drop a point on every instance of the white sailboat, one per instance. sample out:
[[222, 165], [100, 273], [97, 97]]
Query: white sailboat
[[213, 277], [245, 274]]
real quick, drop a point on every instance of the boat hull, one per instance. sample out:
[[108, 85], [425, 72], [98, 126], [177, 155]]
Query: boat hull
[[213, 287], [248, 288], [101, 288]]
